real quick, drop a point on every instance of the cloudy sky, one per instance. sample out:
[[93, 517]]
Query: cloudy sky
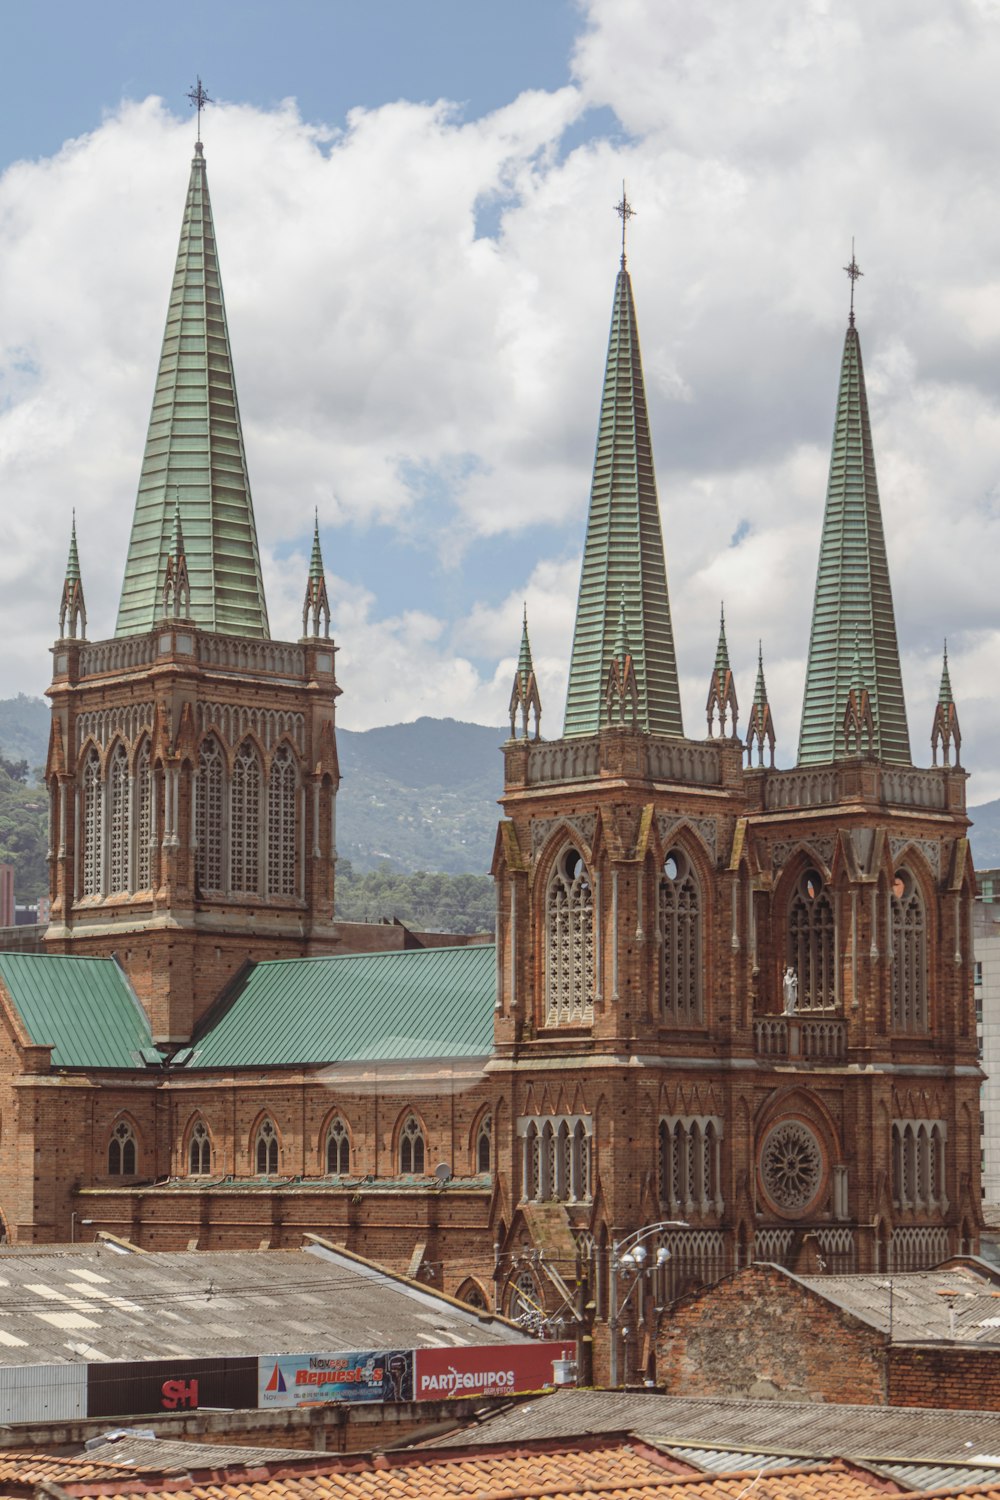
[[414, 204]]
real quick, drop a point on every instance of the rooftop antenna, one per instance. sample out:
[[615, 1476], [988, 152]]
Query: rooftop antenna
[[625, 212], [199, 98], [853, 271]]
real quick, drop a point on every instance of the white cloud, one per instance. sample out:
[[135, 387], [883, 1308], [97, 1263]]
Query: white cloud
[[376, 338]]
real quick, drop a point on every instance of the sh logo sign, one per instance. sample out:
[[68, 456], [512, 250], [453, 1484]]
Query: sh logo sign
[[179, 1394]]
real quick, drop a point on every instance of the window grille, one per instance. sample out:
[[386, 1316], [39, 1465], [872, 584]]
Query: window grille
[[690, 1165], [93, 824], [411, 1148], [119, 819], [811, 944], [143, 807], [281, 841], [570, 942], [266, 1151], [122, 1151], [244, 825], [918, 1165], [680, 946], [556, 1159], [200, 1152], [484, 1146], [909, 955], [338, 1149], [208, 815]]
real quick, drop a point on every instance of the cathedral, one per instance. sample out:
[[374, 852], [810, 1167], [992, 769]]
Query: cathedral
[[728, 1015]]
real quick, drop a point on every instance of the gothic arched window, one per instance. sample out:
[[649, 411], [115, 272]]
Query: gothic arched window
[[93, 824], [118, 840], [338, 1149], [281, 841], [208, 815], [411, 1148], [909, 955], [244, 823], [122, 1151], [200, 1151], [680, 940], [266, 1149], [811, 944], [143, 817], [569, 941], [484, 1145]]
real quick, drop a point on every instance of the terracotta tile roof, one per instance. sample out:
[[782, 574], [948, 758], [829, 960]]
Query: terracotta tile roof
[[27, 1467]]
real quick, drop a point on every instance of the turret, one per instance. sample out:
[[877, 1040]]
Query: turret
[[722, 709], [945, 730], [72, 609], [760, 729], [525, 698], [316, 606]]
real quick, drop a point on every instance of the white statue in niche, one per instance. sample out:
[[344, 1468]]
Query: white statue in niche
[[790, 990]]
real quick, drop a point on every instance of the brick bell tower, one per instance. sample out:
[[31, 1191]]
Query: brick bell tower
[[192, 767], [729, 995]]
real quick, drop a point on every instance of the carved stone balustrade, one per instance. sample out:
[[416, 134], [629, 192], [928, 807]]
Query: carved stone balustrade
[[799, 1037]]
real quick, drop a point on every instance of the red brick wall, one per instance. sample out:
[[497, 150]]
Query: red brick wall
[[944, 1376]]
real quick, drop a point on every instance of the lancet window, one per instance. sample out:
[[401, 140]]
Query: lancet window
[[208, 815], [484, 1145], [266, 1149], [122, 1151], [411, 1148], [338, 1149], [143, 817], [200, 1151], [690, 1152], [569, 942], [680, 940], [118, 832], [244, 821], [93, 824], [918, 1164], [909, 955], [281, 842], [556, 1159], [812, 945]]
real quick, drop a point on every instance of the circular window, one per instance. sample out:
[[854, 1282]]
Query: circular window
[[675, 866], [791, 1168], [812, 884]]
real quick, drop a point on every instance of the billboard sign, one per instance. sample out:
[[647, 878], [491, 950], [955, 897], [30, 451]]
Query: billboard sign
[[141, 1387], [305, 1379], [486, 1370]]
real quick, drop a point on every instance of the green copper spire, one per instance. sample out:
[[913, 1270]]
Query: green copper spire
[[944, 694], [624, 550], [316, 606], [194, 454], [722, 649], [525, 666], [853, 593], [72, 609], [946, 732], [760, 730], [525, 699], [621, 634]]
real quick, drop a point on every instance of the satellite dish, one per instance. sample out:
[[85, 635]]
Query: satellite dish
[[442, 1172]]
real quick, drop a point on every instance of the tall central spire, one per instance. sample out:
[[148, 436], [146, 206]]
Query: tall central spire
[[852, 612], [195, 462], [623, 553]]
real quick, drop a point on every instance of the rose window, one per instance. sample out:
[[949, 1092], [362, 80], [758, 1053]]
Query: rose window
[[791, 1166]]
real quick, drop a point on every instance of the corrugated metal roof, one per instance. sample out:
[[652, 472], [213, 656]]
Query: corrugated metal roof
[[806, 1429], [362, 1007], [83, 1008], [154, 1455]]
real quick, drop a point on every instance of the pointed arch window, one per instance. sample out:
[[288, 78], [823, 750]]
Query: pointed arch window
[[93, 824], [118, 840], [569, 942], [266, 1149], [411, 1148], [556, 1159], [812, 944], [244, 822], [143, 817], [200, 1151], [122, 1151], [680, 940], [909, 955], [690, 1165], [338, 1149], [282, 789], [484, 1145], [208, 815]]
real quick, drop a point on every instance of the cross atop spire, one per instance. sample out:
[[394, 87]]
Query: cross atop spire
[[625, 212], [199, 98], [854, 271], [316, 607]]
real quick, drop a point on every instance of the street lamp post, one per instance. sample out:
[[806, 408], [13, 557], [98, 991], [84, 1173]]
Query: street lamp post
[[630, 1256]]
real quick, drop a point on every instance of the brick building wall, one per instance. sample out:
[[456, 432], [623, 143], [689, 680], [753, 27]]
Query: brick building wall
[[943, 1375]]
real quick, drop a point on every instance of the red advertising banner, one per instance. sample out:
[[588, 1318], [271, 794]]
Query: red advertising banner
[[486, 1370]]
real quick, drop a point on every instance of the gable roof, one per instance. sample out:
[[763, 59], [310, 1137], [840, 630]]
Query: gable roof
[[83, 1008], [358, 1007]]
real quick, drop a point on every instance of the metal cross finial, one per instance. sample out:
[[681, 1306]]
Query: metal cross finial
[[853, 271], [199, 98], [625, 211]]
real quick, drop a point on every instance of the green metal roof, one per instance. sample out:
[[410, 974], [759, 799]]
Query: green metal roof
[[83, 1008], [194, 455], [363, 1007], [853, 592], [624, 550]]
